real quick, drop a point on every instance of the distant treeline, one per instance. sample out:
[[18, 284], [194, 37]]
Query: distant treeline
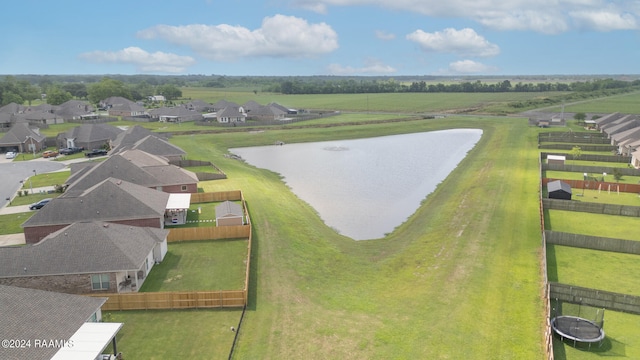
[[351, 86]]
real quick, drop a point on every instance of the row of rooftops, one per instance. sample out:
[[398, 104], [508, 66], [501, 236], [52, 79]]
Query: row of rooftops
[[623, 130]]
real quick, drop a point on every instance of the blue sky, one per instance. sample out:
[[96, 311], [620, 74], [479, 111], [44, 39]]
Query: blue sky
[[323, 37]]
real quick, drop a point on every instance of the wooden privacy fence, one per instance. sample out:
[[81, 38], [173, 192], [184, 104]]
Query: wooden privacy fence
[[595, 298], [628, 171], [578, 185], [234, 195], [595, 208], [174, 300], [593, 242], [592, 157], [209, 233]]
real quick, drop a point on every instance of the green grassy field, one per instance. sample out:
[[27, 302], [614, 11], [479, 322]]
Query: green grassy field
[[452, 282], [625, 103]]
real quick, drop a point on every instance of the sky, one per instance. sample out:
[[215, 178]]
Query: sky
[[321, 37]]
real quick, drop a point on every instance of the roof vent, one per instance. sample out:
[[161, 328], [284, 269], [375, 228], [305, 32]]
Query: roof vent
[[105, 225]]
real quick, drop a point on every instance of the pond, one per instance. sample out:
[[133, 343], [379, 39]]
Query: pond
[[365, 188]]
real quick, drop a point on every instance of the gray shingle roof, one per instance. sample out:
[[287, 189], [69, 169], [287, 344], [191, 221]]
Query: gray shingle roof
[[228, 208], [157, 146], [93, 132], [558, 185], [134, 166], [83, 247], [19, 132], [36, 314], [109, 200]]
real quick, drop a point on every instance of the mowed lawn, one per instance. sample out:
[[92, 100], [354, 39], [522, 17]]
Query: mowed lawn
[[175, 334], [611, 226], [460, 279], [200, 265]]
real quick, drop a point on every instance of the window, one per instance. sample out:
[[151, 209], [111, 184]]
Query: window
[[184, 188], [100, 282]]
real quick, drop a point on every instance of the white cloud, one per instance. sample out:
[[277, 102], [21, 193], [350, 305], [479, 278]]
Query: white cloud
[[544, 16], [469, 67], [604, 20], [144, 61], [465, 42], [279, 36], [372, 67], [383, 35]]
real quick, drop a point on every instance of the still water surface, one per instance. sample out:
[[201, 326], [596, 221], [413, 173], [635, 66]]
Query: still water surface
[[364, 188]]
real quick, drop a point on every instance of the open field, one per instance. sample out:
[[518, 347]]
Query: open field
[[452, 282], [625, 103]]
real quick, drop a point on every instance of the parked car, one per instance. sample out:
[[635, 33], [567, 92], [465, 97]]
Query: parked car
[[71, 150], [96, 152], [49, 153], [10, 154], [39, 204]]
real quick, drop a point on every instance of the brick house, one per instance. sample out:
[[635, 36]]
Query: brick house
[[85, 258], [137, 167], [112, 200]]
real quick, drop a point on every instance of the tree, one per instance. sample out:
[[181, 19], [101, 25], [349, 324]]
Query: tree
[[169, 91], [107, 88], [580, 116], [576, 152], [57, 96]]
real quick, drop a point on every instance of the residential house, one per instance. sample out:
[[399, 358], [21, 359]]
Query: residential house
[[137, 167], [71, 322], [22, 138], [139, 138], [111, 200], [287, 110], [229, 213], [160, 147], [199, 106], [231, 115], [119, 106], [176, 114], [76, 110], [222, 104], [603, 120], [86, 258], [89, 136], [635, 158], [259, 112]]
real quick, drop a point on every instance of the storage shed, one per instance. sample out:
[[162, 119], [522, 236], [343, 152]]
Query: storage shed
[[556, 159], [559, 190], [229, 213]]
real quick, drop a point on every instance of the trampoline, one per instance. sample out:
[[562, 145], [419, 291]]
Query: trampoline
[[577, 329]]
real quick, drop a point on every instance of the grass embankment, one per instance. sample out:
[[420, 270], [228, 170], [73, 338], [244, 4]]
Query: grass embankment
[[460, 279]]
